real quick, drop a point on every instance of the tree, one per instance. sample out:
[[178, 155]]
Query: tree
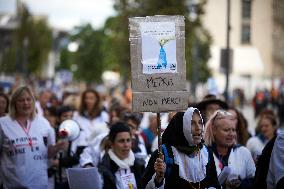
[[31, 43], [40, 40], [8, 62], [109, 48], [116, 49], [65, 60], [89, 56], [117, 27]]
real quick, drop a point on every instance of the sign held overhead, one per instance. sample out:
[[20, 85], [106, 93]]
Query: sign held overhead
[[158, 63]]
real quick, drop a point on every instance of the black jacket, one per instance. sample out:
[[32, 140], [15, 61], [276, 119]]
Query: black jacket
[[172, 180], [108, 167], [262, 166]]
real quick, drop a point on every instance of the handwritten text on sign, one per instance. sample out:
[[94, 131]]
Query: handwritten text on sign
[[159, 81], [158, 71], [163, 101], [160, 101]]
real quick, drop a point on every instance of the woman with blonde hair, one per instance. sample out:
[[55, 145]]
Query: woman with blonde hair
[[221, 136], [267, 127], [26, 142], [242, 126], [4, 104]]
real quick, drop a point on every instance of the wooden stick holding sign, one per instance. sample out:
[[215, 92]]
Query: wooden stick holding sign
[[158, 71], [159, 135]]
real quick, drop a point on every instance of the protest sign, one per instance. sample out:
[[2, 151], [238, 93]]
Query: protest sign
[[158, 68]]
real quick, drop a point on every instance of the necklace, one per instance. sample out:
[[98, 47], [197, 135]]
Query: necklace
[[186, 170], [220, 164]]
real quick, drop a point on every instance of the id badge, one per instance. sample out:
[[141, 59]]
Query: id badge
[[128, 181]]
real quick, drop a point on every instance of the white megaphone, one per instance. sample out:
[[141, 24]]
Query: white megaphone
[[69, 129]]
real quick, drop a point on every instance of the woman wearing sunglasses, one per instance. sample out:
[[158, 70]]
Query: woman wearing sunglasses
[[220, 135]]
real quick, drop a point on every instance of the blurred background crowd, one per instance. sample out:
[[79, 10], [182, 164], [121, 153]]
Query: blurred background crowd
[[83, 72]]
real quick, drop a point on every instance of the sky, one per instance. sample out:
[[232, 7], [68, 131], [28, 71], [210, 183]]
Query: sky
[[65, 14]]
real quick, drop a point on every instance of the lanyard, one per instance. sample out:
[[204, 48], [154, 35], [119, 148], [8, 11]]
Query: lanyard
[[220, 164], [27, 130]]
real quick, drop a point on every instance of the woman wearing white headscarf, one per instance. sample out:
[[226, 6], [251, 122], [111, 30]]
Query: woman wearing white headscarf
[[187, 162]]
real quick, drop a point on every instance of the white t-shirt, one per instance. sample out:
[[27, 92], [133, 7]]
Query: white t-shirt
[[255, 146], [24, 163], [240, 163], [93, 153], [39, 108], [90, 129]]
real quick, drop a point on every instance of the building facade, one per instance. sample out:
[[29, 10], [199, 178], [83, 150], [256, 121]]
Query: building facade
[[253, 39]]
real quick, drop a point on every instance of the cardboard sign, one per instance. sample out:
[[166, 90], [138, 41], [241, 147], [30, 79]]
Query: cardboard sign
[[159, 101], [158, 62]]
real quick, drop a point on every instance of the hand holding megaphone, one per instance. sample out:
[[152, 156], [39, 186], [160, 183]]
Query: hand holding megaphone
[[69, 129]]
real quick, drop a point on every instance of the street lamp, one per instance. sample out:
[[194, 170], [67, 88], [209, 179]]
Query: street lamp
[[227, 54], [192, 7]]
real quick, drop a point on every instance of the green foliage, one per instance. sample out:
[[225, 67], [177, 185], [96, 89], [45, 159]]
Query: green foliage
[[109, 48], [117, 44], [118, 29], [65, 60], [8, 63], [30, 46], [40, 41], [89, 56]]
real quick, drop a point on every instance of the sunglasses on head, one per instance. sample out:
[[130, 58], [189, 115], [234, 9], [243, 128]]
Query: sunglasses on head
[[221, 114]]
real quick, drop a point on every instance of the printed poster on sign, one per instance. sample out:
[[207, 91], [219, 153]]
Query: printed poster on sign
[[158, 47]]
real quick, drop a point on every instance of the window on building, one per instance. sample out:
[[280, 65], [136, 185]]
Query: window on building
[[245, 22], [246, 9], [245, 34]]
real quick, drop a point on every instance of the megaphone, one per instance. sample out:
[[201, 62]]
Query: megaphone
[[69, 129]]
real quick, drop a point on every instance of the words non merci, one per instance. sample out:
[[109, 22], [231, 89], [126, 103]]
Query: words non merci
[[162, 101]]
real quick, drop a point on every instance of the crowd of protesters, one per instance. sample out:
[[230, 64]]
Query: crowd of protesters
[[208, 145], [269, 99]]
